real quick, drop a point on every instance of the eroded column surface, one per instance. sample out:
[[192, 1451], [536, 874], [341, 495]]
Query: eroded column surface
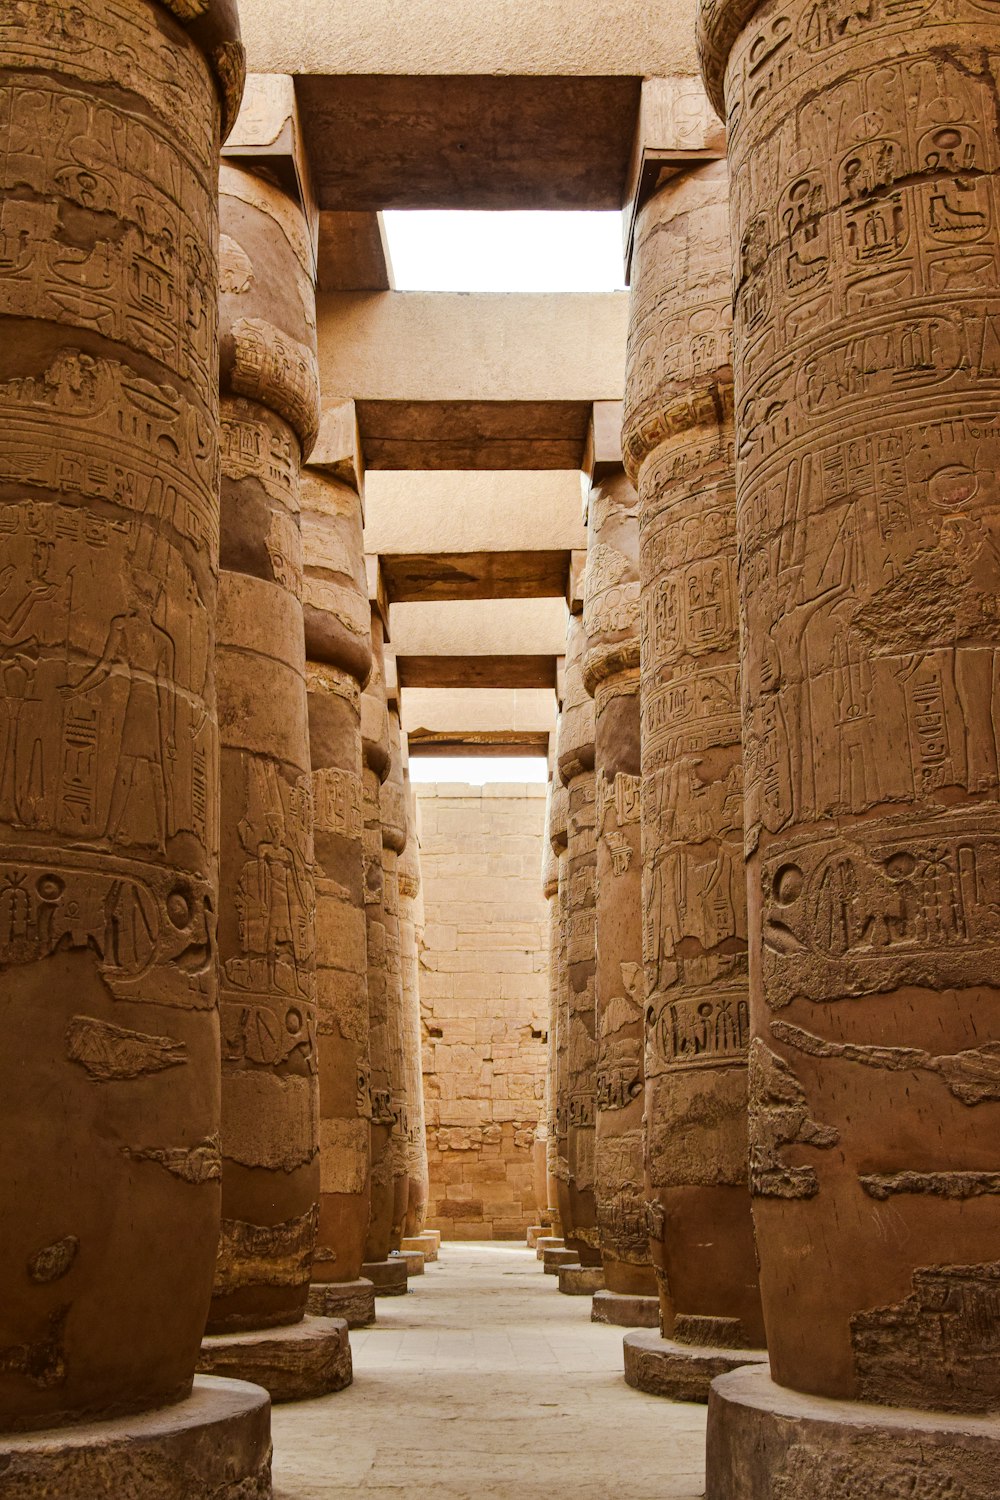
[[270, 1145], [411, 925], [867, 244], [109, 1109], [339, 650], [576, 768], [394, 834], [558, 829], [611, 676], [678, 442]]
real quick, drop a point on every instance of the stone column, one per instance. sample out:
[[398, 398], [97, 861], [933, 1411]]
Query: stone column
[[866, 240], [611, 676], [394, 835], [558, 830], [388, 1276], [678, 440], [339, 650], [548, 1216], [109, 1109], [267, 980], [576, 769], [411, 925]]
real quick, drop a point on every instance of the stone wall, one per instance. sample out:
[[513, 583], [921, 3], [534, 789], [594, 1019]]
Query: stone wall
[[484, 997]]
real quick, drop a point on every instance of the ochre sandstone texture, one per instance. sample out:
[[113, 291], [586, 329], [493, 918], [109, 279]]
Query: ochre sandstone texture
[[109, 513], [550, 890], [866, 237], [375, 761], [270, 1093], [678, 440], [611, 676], [576, 770], [484, 998], [394, 832], [558, 830], [411, 933], [339, 651]]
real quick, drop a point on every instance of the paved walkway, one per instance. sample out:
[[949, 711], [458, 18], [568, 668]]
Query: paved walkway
[[484, 1382]]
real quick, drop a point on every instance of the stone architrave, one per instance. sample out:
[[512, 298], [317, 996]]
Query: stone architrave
[[109, 514], [611, 676], [267, 980], [411, 927], [557, 829], [576, 769], [678, 442], [339, 652], [866, 237]]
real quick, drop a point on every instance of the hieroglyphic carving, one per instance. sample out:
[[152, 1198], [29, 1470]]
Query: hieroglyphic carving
[[863, 155], [779, 1117], [111, 1053], [192, 1164]]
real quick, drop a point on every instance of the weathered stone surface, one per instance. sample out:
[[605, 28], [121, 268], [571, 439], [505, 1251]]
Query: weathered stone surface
[[309, 1359], [427, 1244], [392, 1178], [769, 1443], [108, 733], [411, 930], [387, 1276], [625, 1310], [548, 1242], [678, 440], [338, 645], [580, 1281], [354, 1301], [414, 1261], [270, 1092], [611, 675], [554, 1259], [215, 1445], [868, 292], [578, 874], [681, 1372]]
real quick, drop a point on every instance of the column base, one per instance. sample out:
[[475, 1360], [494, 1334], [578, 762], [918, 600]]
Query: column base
[[414, 1261], [295, 1363], [681, 1372], [427, 1244], [554, 1260], [354, 1301], [216, 1445], [625, 1309], [764, 1441], [534, 1234], [548, 1242], [580, 1281], [387, 1276]]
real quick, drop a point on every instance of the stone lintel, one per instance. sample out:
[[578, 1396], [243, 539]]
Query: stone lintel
[[378, 595], [431, 577], [472, 514], [295, 1363], [625, 1309], [473, 742], [478, 720], [681, 1372], [824, 1449], [487, 628], [483, 671], [574, 591], [216, 1445], [603, 454], [354, 1301], [492, 436], [267, 138]]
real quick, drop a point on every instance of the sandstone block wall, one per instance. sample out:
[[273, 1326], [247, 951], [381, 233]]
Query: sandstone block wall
[[484, 1000]]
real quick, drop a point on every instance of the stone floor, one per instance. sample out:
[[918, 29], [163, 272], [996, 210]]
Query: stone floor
[[486, 1382]]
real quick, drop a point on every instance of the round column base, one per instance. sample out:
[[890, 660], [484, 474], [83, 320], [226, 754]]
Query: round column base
[[354, 1301], [295, 1363], [427, 1244], [216, 1445], [765, 1442], [534, 1234], [548, 1242], [387, 1276], [554, 1260], [625, 1309], [681, 1372], [580, 1281], [414, 1261]]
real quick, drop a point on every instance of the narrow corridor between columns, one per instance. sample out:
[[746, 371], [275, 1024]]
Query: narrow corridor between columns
[[486, 1381]]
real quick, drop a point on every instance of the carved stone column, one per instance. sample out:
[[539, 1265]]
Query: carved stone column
[[558, 829], [339, 650], [394, 835], [678, 441], [110, 1112], [576, 769], [388, 1276], [611, 676], [866, 242], [411, 925], [267, 981], [548, 1206]]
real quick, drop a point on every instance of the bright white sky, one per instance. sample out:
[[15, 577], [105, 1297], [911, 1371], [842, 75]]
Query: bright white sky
[[466, 251], [477, 770]]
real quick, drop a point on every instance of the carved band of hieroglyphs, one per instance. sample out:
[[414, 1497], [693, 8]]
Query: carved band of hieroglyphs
[[914, 902], [254, 449], [708, 1030], [275, 369], [339, 803]]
